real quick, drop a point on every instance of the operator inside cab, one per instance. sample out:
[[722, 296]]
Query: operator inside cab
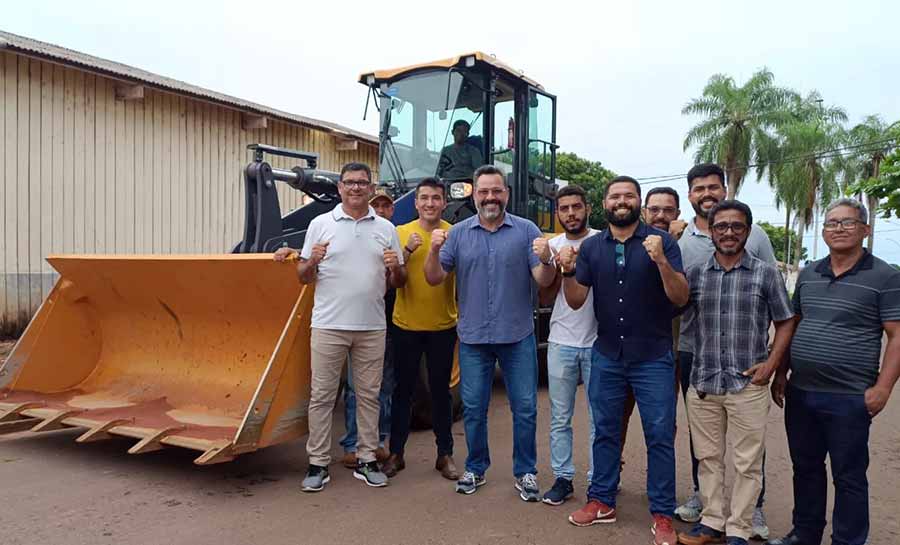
[[460, 159]]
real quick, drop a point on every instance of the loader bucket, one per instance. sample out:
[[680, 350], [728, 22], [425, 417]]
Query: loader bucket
[[204, 352]]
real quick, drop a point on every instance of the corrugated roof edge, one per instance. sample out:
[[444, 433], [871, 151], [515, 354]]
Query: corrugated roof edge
[[116, 70]]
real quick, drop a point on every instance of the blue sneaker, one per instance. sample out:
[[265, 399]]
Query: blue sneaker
[[561, 491], [469, 483], [734, 540]]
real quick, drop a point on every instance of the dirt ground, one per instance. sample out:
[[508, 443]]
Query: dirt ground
[[58, 492]]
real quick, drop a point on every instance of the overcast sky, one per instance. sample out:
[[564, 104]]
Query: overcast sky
[[622, 71]]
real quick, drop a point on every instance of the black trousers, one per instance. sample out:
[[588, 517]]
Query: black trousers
[[409, 346]]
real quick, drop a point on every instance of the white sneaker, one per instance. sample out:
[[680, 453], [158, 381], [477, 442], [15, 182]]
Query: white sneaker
[[760, 529], [690, 510]]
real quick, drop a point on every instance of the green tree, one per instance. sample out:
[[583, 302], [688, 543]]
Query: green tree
[[804, 175], [738, 122], [590, 175], [881, 182], [778, 234]]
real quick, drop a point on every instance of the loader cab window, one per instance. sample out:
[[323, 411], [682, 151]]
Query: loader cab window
[[541, 158], [432, 125]]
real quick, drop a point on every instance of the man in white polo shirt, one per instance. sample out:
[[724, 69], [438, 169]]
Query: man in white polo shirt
[[352, 255]]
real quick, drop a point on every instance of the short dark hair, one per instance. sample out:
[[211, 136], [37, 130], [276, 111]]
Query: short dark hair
[[621, 179], [730, 205], [572, 190], [431, 182], [356, 167], [459, 122], [487, 170], [663, 191], [703, 170]]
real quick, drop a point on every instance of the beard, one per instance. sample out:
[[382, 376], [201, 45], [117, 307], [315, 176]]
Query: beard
[[698, 207], [633, 216], [490, 215], [734, 250], [578, 229]]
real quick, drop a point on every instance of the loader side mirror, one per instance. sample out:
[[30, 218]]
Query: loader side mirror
[[393, 131]]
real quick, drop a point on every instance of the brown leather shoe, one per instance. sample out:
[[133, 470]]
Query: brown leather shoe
[[447, 467], [394, 464], [381, 455], [349, 460]]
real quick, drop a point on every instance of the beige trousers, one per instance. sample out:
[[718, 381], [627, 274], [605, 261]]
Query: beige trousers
[[744, 415], [329, 350]]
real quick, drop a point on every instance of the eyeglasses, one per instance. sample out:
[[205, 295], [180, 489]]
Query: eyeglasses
[[736, 227], [846, 224], [620, 254], [667, 210], [354, 184]]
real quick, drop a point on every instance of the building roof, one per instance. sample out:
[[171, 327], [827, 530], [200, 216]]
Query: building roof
[[116, 70]]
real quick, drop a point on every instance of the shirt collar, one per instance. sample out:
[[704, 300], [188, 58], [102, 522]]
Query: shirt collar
[[745, 262], [507, 221], [864, 263], [641, 232], [693, 230], [338, 214]]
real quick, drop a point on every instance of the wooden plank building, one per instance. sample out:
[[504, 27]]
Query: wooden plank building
[[100, 157]]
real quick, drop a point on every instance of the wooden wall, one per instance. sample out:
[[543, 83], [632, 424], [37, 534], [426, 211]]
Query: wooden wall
[[83, 172]]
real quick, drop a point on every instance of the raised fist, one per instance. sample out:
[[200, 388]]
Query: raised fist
[[414, 241], [318, 252], [654, 246], [438, 238], [541, 248], [391, 261], [567, 257]]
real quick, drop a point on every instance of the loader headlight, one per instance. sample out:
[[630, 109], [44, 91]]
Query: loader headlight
[[460, 190]]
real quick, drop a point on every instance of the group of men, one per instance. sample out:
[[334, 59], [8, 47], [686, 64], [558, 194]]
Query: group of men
[[646, 304]]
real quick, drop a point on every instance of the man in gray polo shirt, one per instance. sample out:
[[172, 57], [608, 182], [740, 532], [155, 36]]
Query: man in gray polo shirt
[[706, 188], [352, 255], [845, 304]]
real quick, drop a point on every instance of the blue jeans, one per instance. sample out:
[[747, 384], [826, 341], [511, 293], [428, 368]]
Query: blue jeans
[[348, 441], [518, 361], [654, 390], [565, 364], [685, 364], [836, 425]]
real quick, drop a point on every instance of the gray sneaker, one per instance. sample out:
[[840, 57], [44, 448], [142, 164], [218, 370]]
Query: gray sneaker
[[760, 529], [690, 510], [370, 474], [316, 479], [528, 487], [469, 483]]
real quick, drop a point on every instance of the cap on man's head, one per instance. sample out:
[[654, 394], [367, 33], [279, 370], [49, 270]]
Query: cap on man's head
[[381, 194], [459, 122]]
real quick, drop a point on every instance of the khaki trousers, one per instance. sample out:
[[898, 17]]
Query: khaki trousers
[[329, 350], [744, 415]]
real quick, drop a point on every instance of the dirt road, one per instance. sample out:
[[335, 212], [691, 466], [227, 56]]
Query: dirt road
[[57, 492]]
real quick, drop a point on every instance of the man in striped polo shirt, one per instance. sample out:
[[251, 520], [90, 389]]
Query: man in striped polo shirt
[[845, 303]]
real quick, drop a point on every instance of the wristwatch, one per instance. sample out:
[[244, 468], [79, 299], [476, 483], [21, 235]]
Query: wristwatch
[[569, 274]]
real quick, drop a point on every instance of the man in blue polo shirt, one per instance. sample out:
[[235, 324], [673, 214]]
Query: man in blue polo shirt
[[495, 255], [845, 303], [637, 282]]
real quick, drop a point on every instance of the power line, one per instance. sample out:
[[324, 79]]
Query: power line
[[825, 154]]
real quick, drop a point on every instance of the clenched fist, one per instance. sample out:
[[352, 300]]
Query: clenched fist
[[318, 252], [285, 254], [567, 257], [654, 246], [415, 240], [676, 228], [438, 238], [391, 261], [541, 248]]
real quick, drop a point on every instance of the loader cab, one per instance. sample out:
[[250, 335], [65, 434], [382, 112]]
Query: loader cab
[[448, 117]]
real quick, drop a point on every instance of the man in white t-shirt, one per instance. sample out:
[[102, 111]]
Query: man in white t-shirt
[[352, 255], [572, 333]]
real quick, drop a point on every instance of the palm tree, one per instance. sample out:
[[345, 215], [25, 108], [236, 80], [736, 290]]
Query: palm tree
[[806, 172], [872, 141], [738, 124]]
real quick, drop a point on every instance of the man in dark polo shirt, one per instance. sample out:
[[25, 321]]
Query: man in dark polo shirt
[[845, 303], [638, 284], [495, 255]]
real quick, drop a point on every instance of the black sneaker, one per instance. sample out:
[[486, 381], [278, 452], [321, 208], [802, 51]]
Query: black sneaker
[[561, 491], [316, 479]]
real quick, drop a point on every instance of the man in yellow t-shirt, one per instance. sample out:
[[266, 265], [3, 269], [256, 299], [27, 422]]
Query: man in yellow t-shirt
[[425, 318]]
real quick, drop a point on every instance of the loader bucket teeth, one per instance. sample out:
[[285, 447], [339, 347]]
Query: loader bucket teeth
[[204, 352]]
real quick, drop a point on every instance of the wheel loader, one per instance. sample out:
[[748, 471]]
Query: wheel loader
[[211, 352]]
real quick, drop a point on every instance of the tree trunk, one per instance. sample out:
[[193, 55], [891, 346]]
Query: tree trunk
[[798, 246], [872, 204], [787, 239]]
